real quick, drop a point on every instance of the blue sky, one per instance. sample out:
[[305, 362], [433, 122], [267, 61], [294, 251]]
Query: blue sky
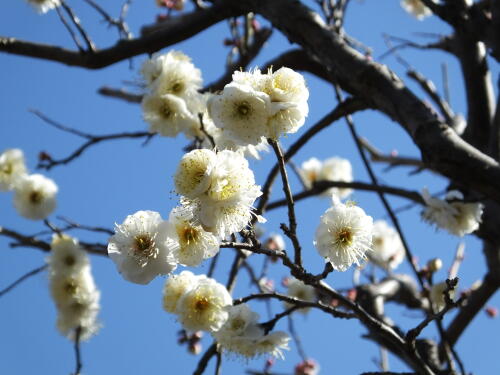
[[113, 180]]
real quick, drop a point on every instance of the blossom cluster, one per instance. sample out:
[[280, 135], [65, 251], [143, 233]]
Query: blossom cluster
[[173, 103], [145, 246], [452, 214], [332, 169], [73, 289], [35, 194], [201, 303]]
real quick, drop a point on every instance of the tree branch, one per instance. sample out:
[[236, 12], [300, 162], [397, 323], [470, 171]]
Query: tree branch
[[174, 30]]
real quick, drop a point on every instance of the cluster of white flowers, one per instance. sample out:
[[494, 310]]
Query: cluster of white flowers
[[43, 6], [172, 104], [146, 246], [201, 303], [451, 214], [332, 169], [416, 8], [242, 335], [301, 291], [344, 235], [388, 251], [219, 188], [73, 289], [256, 106], [34, 195]]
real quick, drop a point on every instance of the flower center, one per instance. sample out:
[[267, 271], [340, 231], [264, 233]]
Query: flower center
[[177, 87], [70, 287], [201, 304], [345, 236], [165, 111], [69, 260], [187, 234], [143, 244], [243, 109], [35, 197], [7, 168]]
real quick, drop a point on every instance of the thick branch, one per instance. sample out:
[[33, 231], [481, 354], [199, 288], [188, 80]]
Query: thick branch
[[442, 149], [174, 30]]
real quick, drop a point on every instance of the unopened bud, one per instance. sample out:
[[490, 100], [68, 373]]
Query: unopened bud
[[491, 311], [434, 265]]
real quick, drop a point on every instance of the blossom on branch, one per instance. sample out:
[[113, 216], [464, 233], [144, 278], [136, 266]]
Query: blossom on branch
[[256, 105], [219, 188], [344, 235], [35, 196], [388, 251], [456, 217], [73, 289], [332, 169], [301, 291], [140, 247], [12, 168], [204, 306], [242, 335], [194, 244]]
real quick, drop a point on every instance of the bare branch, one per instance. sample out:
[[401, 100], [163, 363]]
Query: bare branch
[[120, 94], [321, 186], [291, 231], [21, 279], [172, 31]]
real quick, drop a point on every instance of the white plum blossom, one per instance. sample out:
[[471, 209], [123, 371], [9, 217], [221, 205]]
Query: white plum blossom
[[193, 244], [167, 114], [416, 8], [73, 289], [332, 169], [35, 196], [171, 73], [176, 286], [310, 171], [192, 178], [66, 255], [301, 291], [242, 113], [344, 235], [219, 188], [456, 217], [273, 344], [43, 6], [204, 306], [242, 335], [437, 296], [388, 251], [12, 168], [140, 247], [256, 105]]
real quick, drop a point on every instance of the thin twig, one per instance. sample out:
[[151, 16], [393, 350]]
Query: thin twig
[[21, 279], [296, 338], [70, 30], [202, 364], [291, 231], [348, 106], [321, 186], [78, 359], [76, 21], [204, 130]]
